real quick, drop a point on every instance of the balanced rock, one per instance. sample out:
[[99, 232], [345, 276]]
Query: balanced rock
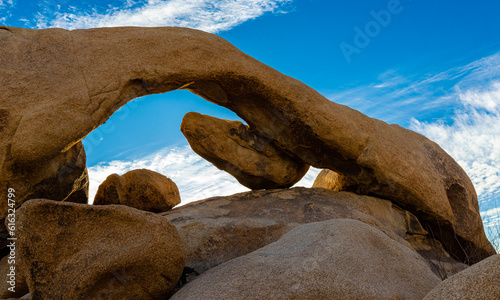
[[334, 181], [219, 229], [82, 77], [142, 189], [77, 251], [336, 259], [252, 159], [480, 281]]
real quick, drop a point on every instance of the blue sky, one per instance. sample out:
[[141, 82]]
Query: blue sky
[[430, 66]]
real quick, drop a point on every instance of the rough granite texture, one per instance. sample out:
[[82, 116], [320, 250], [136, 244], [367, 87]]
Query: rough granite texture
[[334, 181], [219, 229], [336, 259], [142, 189], [480, 281], [252, 159], [79, 251]]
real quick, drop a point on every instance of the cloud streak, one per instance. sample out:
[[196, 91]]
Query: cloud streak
[[195, 177], [211, 16], [397, 98], [473, 137]]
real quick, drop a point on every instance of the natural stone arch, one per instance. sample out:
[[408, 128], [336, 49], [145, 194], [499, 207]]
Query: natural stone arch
[[60, 85]]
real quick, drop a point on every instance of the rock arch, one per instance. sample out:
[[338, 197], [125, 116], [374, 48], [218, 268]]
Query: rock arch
[[59, 85]]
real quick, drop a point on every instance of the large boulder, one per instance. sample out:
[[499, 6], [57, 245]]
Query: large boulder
[[77, 251], [219, 229], [336, 259], [63, 177], [480, 281], [252, 159], [142, 189], [82, 77]]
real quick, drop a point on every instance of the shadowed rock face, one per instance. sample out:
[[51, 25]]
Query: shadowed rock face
[[76, 251], [64, 177], [481, 281], [54, 78], [219, 229], [334, 259], [252, 159]]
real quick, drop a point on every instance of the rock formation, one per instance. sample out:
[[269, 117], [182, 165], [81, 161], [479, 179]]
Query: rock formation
[[82, 77], [252, 159], [142, 189], [481, 281], [62, 178], [334, 181], [336, 259], [219, 229], [76, 251], [19, 284]]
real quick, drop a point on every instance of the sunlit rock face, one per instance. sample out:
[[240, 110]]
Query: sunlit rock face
[[252, 159], [142, 189]]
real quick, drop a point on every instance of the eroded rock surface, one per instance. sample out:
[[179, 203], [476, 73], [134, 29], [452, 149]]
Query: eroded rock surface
[[480, 281], [11, 288], [82, 77], [219, 229], [142, 189], [61, 178], [336, 259], [252, 159], [334, 181], [77, 251]]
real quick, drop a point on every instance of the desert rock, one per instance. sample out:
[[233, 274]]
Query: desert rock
[[78, 251], [336, 259], [81, 77], [219, 229], [334, 181], [142, 189], [61, 178], [252, 159], [480, 281], [19, 284]]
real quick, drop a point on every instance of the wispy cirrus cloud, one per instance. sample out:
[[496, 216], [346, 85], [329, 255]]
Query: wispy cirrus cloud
[[211, 16], [397, 98], [195, 177], [473, 137], [6, 4], [458, 108]]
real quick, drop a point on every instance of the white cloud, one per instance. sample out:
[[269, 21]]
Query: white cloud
[[195, 177], [473, 137], [396, 98], [488, 100], [6, 3], [211, 16], [494, 212]]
